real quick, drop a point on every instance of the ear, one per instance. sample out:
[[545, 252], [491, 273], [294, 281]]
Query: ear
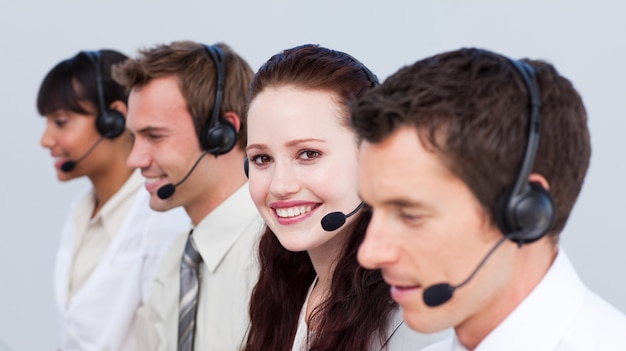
[[234, 119], [119, 106], [538, 178]]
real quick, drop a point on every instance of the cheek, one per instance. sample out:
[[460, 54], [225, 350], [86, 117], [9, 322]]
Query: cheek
[[258, 186], [77, 138], [70, 141], [338, 182], [177, 154]]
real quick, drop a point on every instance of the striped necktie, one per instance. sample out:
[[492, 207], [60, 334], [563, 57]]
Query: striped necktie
[[188, 295]]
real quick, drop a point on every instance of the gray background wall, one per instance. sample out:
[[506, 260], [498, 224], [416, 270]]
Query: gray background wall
[[584, 39]]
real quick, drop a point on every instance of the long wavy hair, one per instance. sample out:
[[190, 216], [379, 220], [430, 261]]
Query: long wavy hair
[[359, 305]]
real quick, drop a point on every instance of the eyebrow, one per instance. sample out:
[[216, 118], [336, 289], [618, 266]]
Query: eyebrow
[[399, 202], [149, 129], [301, 141], [291, 143], [404, 203]]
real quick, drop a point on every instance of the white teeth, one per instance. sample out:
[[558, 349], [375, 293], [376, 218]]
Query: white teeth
[[152, 180], [292, 211]]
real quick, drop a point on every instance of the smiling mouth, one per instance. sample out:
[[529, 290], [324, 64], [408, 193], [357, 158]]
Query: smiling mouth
[[153, 180], [293, 211]]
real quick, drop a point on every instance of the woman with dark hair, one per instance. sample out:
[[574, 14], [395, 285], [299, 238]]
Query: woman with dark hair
[[312, 294], [112, 242]]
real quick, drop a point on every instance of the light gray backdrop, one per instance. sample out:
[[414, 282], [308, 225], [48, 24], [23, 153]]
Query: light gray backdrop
[[584, 39]]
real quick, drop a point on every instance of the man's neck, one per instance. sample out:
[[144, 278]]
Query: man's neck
[[198, 210], [531, 264]]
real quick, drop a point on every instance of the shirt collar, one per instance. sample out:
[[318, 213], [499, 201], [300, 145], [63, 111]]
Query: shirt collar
[[219, 230], [109, 214], [540, 320]]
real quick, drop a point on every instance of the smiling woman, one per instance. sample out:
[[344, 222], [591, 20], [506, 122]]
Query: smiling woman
[[294, 178], [303, 166], [111, 237]]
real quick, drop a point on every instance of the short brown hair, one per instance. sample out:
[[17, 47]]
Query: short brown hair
[[470, 106], [196, 72]]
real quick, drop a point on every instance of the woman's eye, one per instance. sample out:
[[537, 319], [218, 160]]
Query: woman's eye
[[309, 154], [261, 159], [60, 122]]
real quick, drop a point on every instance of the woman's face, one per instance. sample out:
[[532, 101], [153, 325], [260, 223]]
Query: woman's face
[[303, 164], [68, 136]]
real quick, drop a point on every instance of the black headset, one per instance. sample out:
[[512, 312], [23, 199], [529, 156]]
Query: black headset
[[525, 211], [370, 75], [110, 123], [218, 136]]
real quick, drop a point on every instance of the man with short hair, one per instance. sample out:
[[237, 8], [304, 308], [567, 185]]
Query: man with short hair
[[187, 111], [472, 163]]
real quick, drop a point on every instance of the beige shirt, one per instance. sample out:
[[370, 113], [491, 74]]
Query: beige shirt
[[94, 235], [227, 240]]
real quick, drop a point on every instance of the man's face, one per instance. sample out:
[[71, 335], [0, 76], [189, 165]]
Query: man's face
[[428, 228], [166, 144]]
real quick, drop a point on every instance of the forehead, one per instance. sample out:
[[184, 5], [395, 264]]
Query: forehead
[[400, 167], [159, 103], [294, 112]]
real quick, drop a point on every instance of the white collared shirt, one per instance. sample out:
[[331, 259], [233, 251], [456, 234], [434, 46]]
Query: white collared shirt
[[93, 235], [560, 314], [100, 314], [227, 240]]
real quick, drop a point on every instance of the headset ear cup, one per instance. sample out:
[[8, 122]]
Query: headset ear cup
[[535, 213], [219, 139], [111, 124], [501, 211], [246, 167], [530, 216]]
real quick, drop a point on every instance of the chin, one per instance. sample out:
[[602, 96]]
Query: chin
[[430, 320], [288, 242], [159, 205], [64, 177], [291, 246]]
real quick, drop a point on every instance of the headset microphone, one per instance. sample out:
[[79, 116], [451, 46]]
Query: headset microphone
[[167, 190], [335, 220], [441, 293], [68, 166]]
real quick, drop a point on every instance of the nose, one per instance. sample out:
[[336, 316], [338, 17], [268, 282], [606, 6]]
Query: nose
[[47, 139], [284, 180], [139, 156], [379, 248]]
